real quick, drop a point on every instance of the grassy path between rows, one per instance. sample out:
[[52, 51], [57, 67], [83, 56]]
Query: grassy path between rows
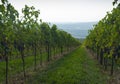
[[75, 68]]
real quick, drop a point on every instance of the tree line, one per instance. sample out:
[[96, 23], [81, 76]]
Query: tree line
[[28, 35], [104, 39]]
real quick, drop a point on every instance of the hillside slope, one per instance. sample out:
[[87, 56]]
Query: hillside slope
[[78, 30]]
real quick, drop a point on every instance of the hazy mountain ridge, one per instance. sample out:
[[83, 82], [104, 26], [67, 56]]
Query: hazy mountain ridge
[[78, 30]]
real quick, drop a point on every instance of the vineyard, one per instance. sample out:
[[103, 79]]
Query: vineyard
[[33, 51], [104, 40], [26, 40]]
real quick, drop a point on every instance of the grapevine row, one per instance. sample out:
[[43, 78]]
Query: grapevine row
[[28, 36], [104, 39]]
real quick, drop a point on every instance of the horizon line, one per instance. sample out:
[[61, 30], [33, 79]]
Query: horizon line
[[69, 21]]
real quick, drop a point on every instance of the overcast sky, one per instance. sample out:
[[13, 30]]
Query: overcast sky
[[67, 10]]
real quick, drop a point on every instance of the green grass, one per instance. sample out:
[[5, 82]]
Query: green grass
[[15, 66], [75, 68]]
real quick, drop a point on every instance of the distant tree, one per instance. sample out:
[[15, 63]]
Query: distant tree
[[54, 38], [45, 29]]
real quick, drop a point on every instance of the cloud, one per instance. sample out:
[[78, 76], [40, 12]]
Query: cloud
[[68, 10]]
